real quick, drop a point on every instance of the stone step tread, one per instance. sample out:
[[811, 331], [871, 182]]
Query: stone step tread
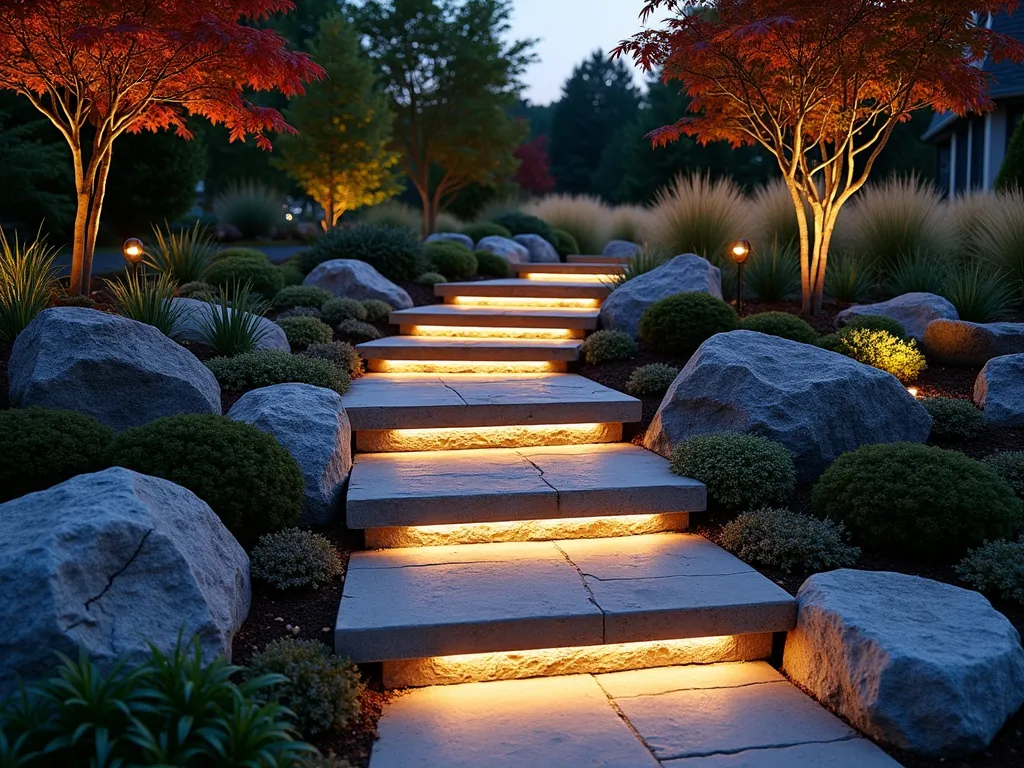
[[578, 258], [479, 598], [504, 484], [431, 400], [448, 348], [519, 288], [497, 317], [737, 715], [575, 268]]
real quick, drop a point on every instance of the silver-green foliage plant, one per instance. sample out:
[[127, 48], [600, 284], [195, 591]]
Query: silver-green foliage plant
[[294, 559], [266, 367], [185, 255], [996, 568], [788, 540], [1010, 466], [234, 325], [338, 310], [356, 331], [377, 311], [608, 346], [303, 331], [27, 283], [321, 689], [651, 380], [148, 300], [340, 354]]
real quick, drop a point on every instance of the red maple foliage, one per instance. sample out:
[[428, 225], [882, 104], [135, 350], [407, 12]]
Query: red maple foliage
[[820, 85], [534, 174], [132, 65]]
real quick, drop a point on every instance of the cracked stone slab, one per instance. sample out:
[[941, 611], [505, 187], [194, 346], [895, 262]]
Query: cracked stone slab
[[849, 753], [517, 288], [478, 598], [554, 721], [425, 401], [494, 485], [497, 317], [445, 348]]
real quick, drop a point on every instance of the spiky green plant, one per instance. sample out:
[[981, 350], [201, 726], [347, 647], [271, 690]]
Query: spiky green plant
[[185, 255], [918, 270], [148, 300], [641, 262], [234, 324], [999, 241], [980, 294], [697, 215], [27, 282], [849, 278], [773, 274]]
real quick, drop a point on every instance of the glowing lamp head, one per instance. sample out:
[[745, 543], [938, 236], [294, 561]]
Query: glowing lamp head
[[913, 391], [133, 250], [739, 251]]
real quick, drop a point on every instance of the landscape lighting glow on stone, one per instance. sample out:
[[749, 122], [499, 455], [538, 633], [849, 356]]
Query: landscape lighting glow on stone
[[913, 391], [459, 438], [485, 332], [524, 302], [465, 366]]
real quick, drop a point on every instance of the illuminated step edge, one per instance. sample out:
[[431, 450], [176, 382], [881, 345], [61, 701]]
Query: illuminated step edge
[[491, 332], [605, 269], [523, 289], [461, 438], [514, 317], [577, 258], [593, 660], [435, 349], [377, 365]]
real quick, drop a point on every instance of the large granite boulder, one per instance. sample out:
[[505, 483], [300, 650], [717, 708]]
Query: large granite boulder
[[310, 422], [958, 342], [353, 279], [195, 314], [454, 237], [911, 310], [122, 372], [620, 248], [541, 251], [687, 273], [508, 249], [999, 391], [915, 663], [107, 561], [819, 404]]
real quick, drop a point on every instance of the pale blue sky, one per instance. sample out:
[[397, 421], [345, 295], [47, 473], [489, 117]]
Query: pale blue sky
[[569, 30]]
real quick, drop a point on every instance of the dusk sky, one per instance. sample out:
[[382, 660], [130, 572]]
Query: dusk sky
[[569, 31]]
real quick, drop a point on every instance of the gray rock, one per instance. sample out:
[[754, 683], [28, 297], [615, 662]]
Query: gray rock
[[999, 391], [195, 313], [541, 251], [622, 310], [958, 342], [311, 423], [509, 250], [911, 310], [354, 279], [454, 237], [107, 561], [921, 665], [819, 404], [620, 248], [121, 372]]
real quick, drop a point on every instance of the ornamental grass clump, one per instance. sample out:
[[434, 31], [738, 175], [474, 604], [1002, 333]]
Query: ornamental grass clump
[[953, 418], [294, 559], [585, 218], [234, 324], [697, 215], [740, 471], [303, 331], [996, 568], [184, 256], [651, 380], [266, 367], [781, 324], [849, 278], [336, 311], [781, 538], [608, 346], [147, 300], [301, 296], [250, 207], [28, 281], [678, 324], [340, 354], [773, 274]]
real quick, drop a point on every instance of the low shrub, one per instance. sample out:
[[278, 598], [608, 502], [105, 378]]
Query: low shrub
[[876, 323], [357, 332], [395, 252], [453, 260], [491, 264], [291, 273], [200, 290], [251, 482], [42, 447], [519, 223], [996, 568], [377, 311], [651, 380], [564, 243], [301, 312], [250, 207], [882, 350], [85, 302], [788, 540], [740, 471], [235, 322], [321, 689], [264, 277], [781, 324], [266, 367], [301, 296], [953, 418], [294, 559], [340, 309], [340, 354], [240, 252], [1009, 466], [303, 331], [431, 278], [905, 498], [483, 229], [677, 325], [147, 300], [608, 346]]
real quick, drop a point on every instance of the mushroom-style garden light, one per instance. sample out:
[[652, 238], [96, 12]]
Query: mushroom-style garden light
[[739, 252]]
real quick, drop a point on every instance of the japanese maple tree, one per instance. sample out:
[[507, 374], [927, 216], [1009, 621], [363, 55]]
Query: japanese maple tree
[[820, 85], [534, 174], [99, 68]]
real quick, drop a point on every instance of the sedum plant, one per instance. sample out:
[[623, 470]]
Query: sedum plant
[[28, 281], [788, 540], [148, 301], [651, 380], [608, 346], [185, 256], [294, 559], [234, 325]]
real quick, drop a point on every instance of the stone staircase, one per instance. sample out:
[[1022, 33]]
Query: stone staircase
[[511, 535]]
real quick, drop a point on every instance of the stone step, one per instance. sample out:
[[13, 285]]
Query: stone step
[[583, 258], [453, 315], [448, 348], [429, 602], [525, 484], [515, 291], [582, 269]]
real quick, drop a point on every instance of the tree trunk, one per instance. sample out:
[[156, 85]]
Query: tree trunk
[[827, 225], [80, 271], [805, 247]]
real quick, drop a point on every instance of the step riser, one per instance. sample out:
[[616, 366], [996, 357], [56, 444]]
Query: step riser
[[463, 438], [516, 351], [606, 269], [449, 315], [592, 660], [486, 332], [523, 289], [521, 302], [586, 259], [466, 366]]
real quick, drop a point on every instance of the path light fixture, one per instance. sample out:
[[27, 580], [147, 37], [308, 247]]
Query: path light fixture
[[133, 251], [739, 252]]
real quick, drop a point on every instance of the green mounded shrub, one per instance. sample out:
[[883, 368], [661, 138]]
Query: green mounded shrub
[[294, 559], [301, 312], [564, 243], [491, 264], [340, 354], [264, 277], [395, 252], [239, 252], [519, 223], [301, 296], [882, 350], [321, 689], [303, 331], [431, 278], [266, 367], [377, 311], [453, 260], [996, 568], [875, 323], [651, 380], [740, 471], [356, 331], [291, 273], [197, 290], [953, 418], [678, 324], [41, 447], [905, 498], [81, 300], [781, 324], [785, 539], [608, 346], [338, 310], [1010, 466], [483, 229], [251, 482]]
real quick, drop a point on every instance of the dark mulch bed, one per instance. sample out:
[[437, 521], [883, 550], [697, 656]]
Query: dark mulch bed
[[824, 322]]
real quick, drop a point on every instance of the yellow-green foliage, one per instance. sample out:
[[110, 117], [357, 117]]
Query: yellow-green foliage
[[882, 350]]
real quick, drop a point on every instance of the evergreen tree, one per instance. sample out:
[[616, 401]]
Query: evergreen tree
[[1011, 173]]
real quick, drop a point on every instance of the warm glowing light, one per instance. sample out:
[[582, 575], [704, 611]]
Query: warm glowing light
[[459, 438], [524, 302], [288, 217], [554, 277], [740, 251], [484, 332], [913, 391], [595, 659], [133, 250], [465, 366]]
